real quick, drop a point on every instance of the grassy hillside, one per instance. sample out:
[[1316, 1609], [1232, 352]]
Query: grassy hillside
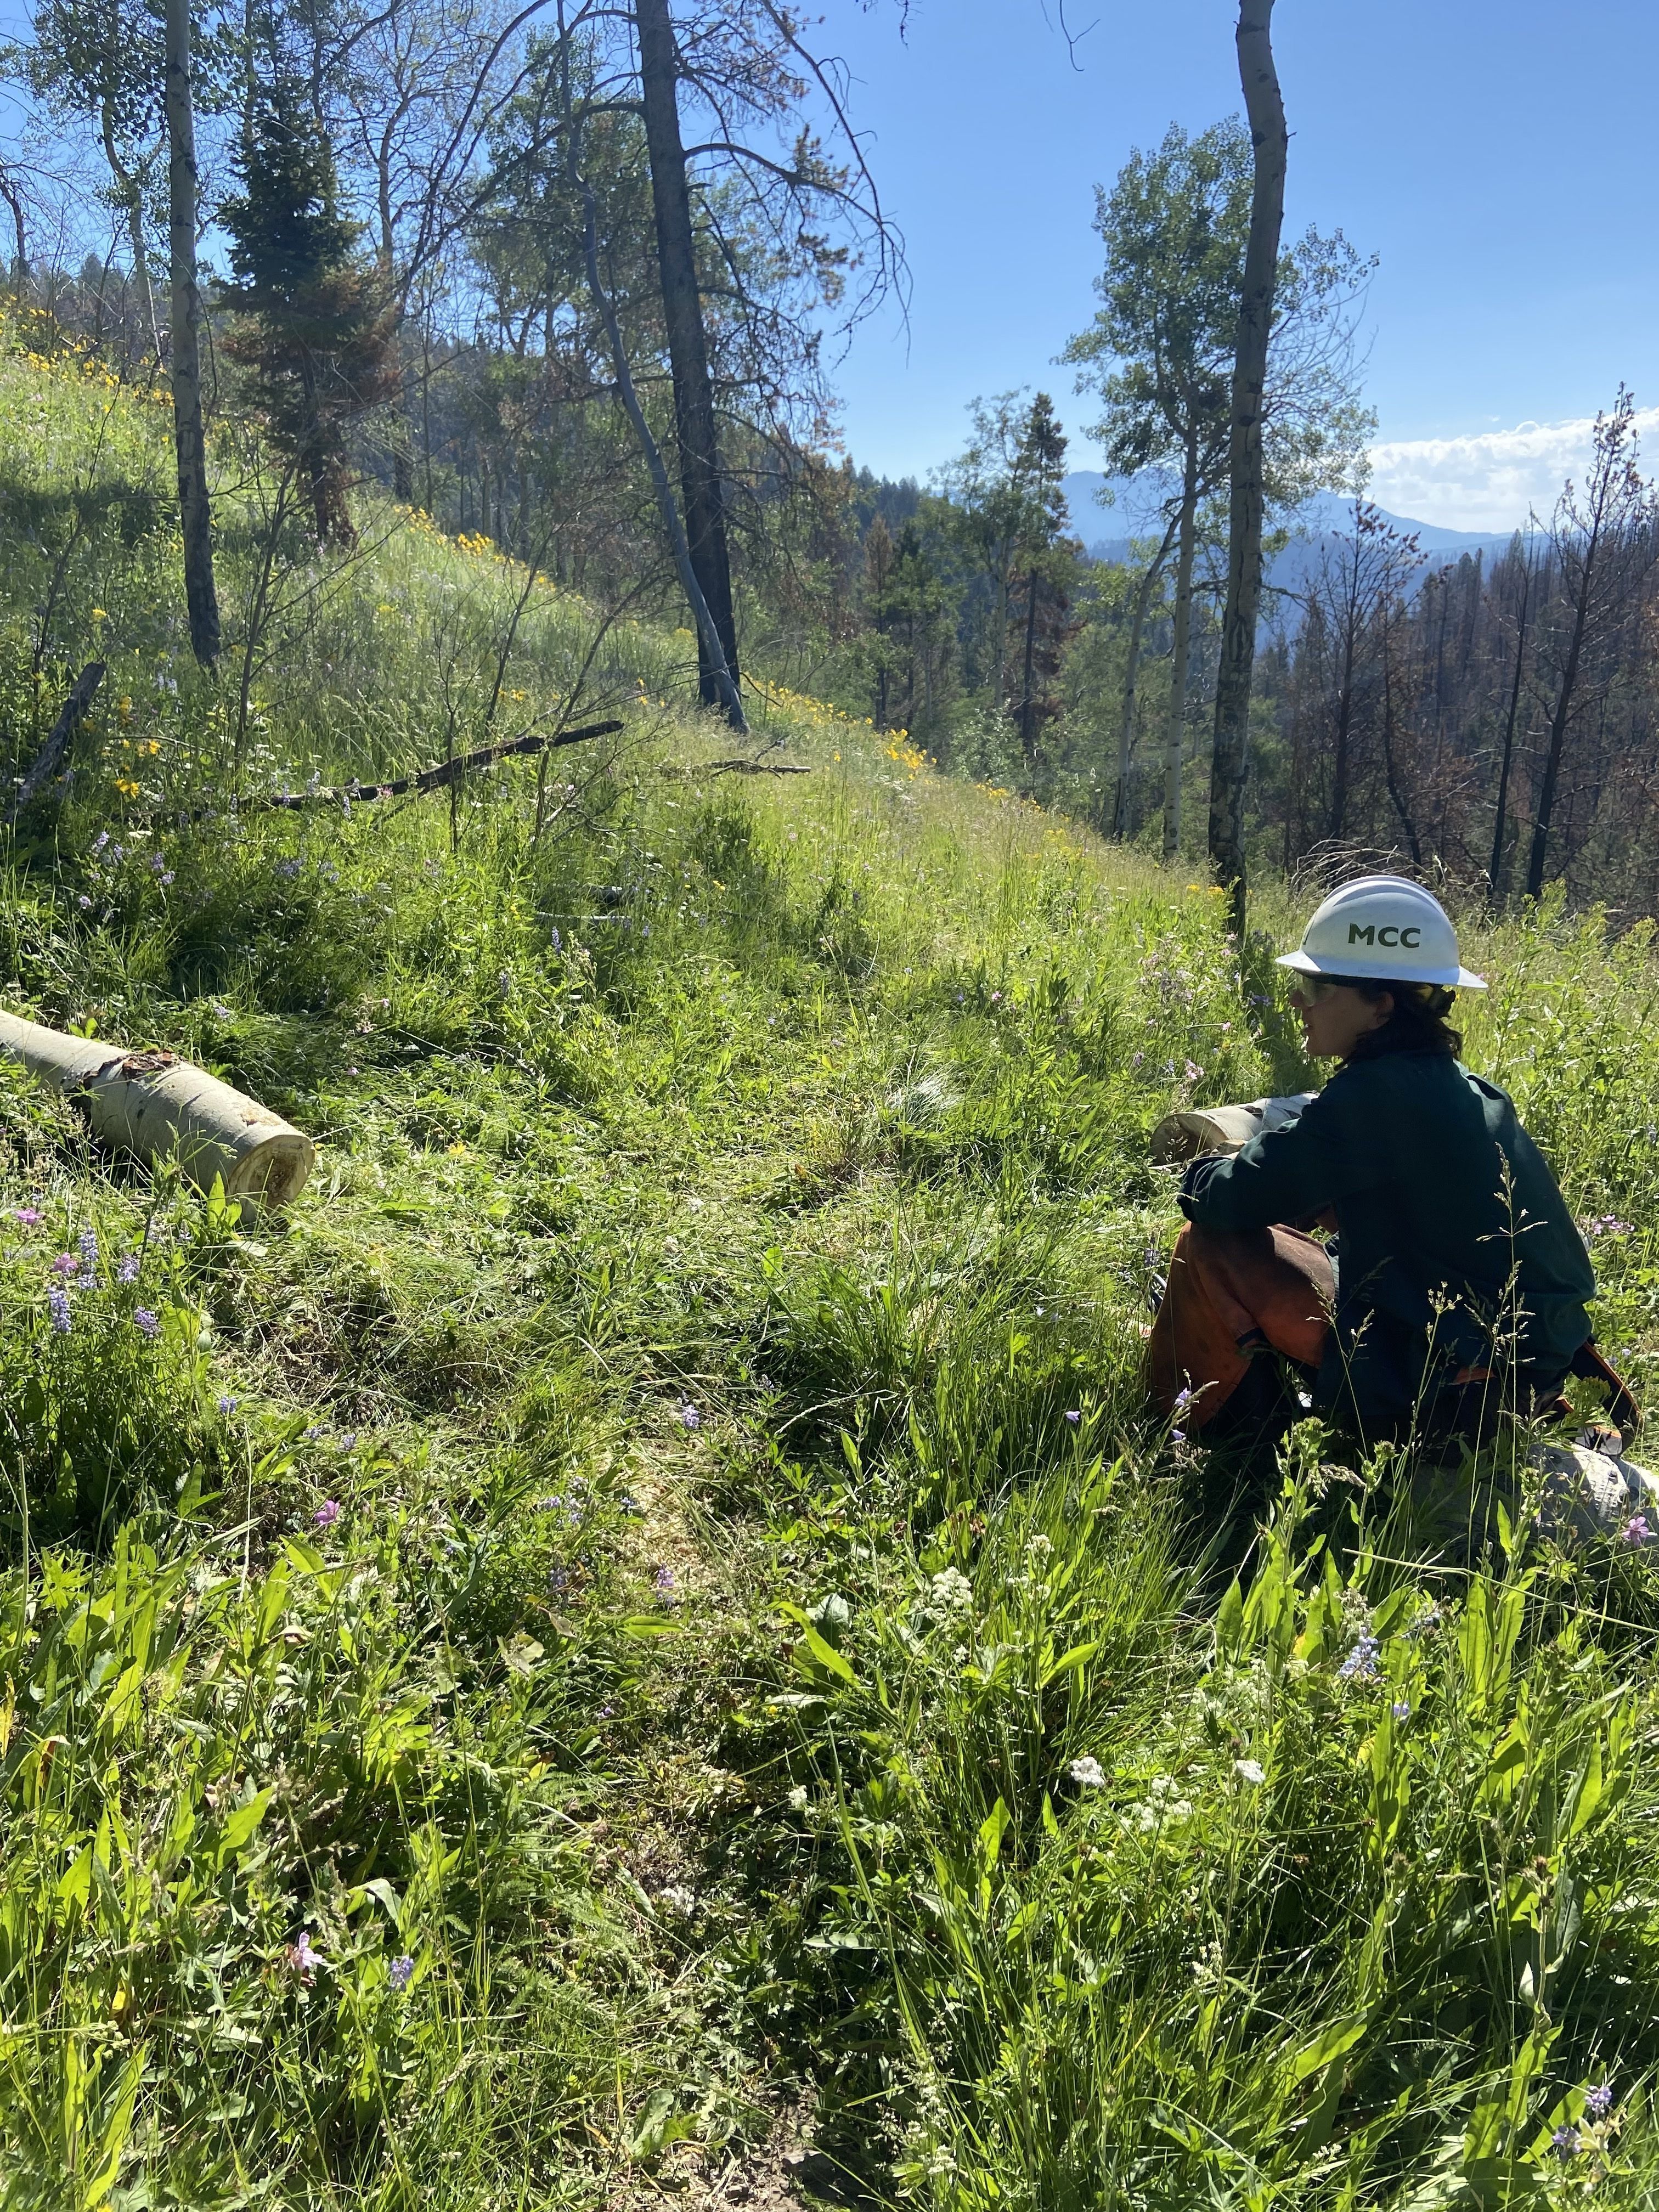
[[639, 1641]]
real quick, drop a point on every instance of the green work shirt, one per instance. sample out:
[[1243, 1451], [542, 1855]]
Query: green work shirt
[[1455, 1247]]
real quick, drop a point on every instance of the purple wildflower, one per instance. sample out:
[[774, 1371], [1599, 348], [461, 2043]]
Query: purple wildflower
[[399, 1972], [1073, 1417], [1402, 1711], [127, 1272], [1565, 2142], [301, 1958], [327, 1513], [64, 1264], [665, 1579], [554, 940], [58, 1306], [227, 1404], [101, 840], [26, 1217], [687, 1414], [1360, 1665], [1637, 1531], [84, 901], [146, 1323], [1598, 2101], [218, 1007], [88, 1242], [558, 1581], [348, 1441]]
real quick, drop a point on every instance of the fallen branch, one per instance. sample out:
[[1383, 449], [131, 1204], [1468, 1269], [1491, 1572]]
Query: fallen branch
[[70, 716], [747, 768], [433, 779], [680, 772]]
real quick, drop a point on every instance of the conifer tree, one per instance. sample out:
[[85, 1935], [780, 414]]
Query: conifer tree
[[310, 326], [1044, 622]]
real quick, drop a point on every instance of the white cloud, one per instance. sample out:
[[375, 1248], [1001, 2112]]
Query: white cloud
[[1488, 482]]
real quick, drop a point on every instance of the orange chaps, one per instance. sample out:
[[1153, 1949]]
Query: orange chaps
[[1232, 1292]]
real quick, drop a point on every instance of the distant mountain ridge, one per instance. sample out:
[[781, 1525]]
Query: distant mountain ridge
[[1326, 516]]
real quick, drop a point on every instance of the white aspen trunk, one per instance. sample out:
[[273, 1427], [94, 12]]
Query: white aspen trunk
[[1185, 1136], [159, 1108]]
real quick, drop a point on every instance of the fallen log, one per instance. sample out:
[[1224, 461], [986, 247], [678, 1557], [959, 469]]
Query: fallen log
[[158, 1107], [432, 779]]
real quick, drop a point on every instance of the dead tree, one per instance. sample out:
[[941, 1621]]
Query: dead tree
[[190, 443], [1269, 140], [1604, 542]]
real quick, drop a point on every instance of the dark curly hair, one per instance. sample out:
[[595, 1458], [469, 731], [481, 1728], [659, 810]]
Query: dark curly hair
[[1418, 1023]]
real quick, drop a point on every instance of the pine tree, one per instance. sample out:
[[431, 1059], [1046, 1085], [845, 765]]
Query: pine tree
[[310, 326], [1043, 625]]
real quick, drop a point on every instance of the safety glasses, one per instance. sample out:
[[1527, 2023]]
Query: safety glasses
[[1309, 990]]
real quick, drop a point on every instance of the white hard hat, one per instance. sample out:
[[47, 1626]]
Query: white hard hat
[[1384, 927]]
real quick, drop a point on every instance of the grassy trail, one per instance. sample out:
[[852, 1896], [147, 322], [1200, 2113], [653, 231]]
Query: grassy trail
[[643, 1627]]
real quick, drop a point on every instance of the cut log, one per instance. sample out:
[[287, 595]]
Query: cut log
[[159, 1108], [1180, 1137]]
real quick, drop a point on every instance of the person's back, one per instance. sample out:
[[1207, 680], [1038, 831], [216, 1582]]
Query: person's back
[[1455, 1250]]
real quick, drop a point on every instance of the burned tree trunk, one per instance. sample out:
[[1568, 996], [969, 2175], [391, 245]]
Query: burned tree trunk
[[702, 487], [189, 441], [1265, 108], [1143, 601], [1175, 736]]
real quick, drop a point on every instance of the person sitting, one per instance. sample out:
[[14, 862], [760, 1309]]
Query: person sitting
[[1458, 1283]]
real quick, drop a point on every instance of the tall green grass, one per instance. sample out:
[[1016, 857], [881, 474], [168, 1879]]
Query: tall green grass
[[646, 1619]]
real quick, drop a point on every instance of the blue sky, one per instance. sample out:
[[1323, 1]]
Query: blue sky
[[1498, 155]]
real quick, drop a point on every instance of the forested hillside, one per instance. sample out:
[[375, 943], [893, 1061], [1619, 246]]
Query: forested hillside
[[641, 1639], [1410, 701]]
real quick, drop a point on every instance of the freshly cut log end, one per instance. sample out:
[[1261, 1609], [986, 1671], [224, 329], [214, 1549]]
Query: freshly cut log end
[[159, 1107], [1186, 1136], [1180, 1137]]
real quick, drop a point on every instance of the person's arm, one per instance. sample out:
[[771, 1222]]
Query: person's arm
[[1285, 1174]]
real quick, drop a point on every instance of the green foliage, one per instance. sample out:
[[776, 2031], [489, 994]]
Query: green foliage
[[310, 328], [1160, 349], [649, 1601]]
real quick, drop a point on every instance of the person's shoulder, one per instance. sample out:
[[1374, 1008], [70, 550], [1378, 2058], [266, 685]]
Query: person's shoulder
[[1484, 1087]]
